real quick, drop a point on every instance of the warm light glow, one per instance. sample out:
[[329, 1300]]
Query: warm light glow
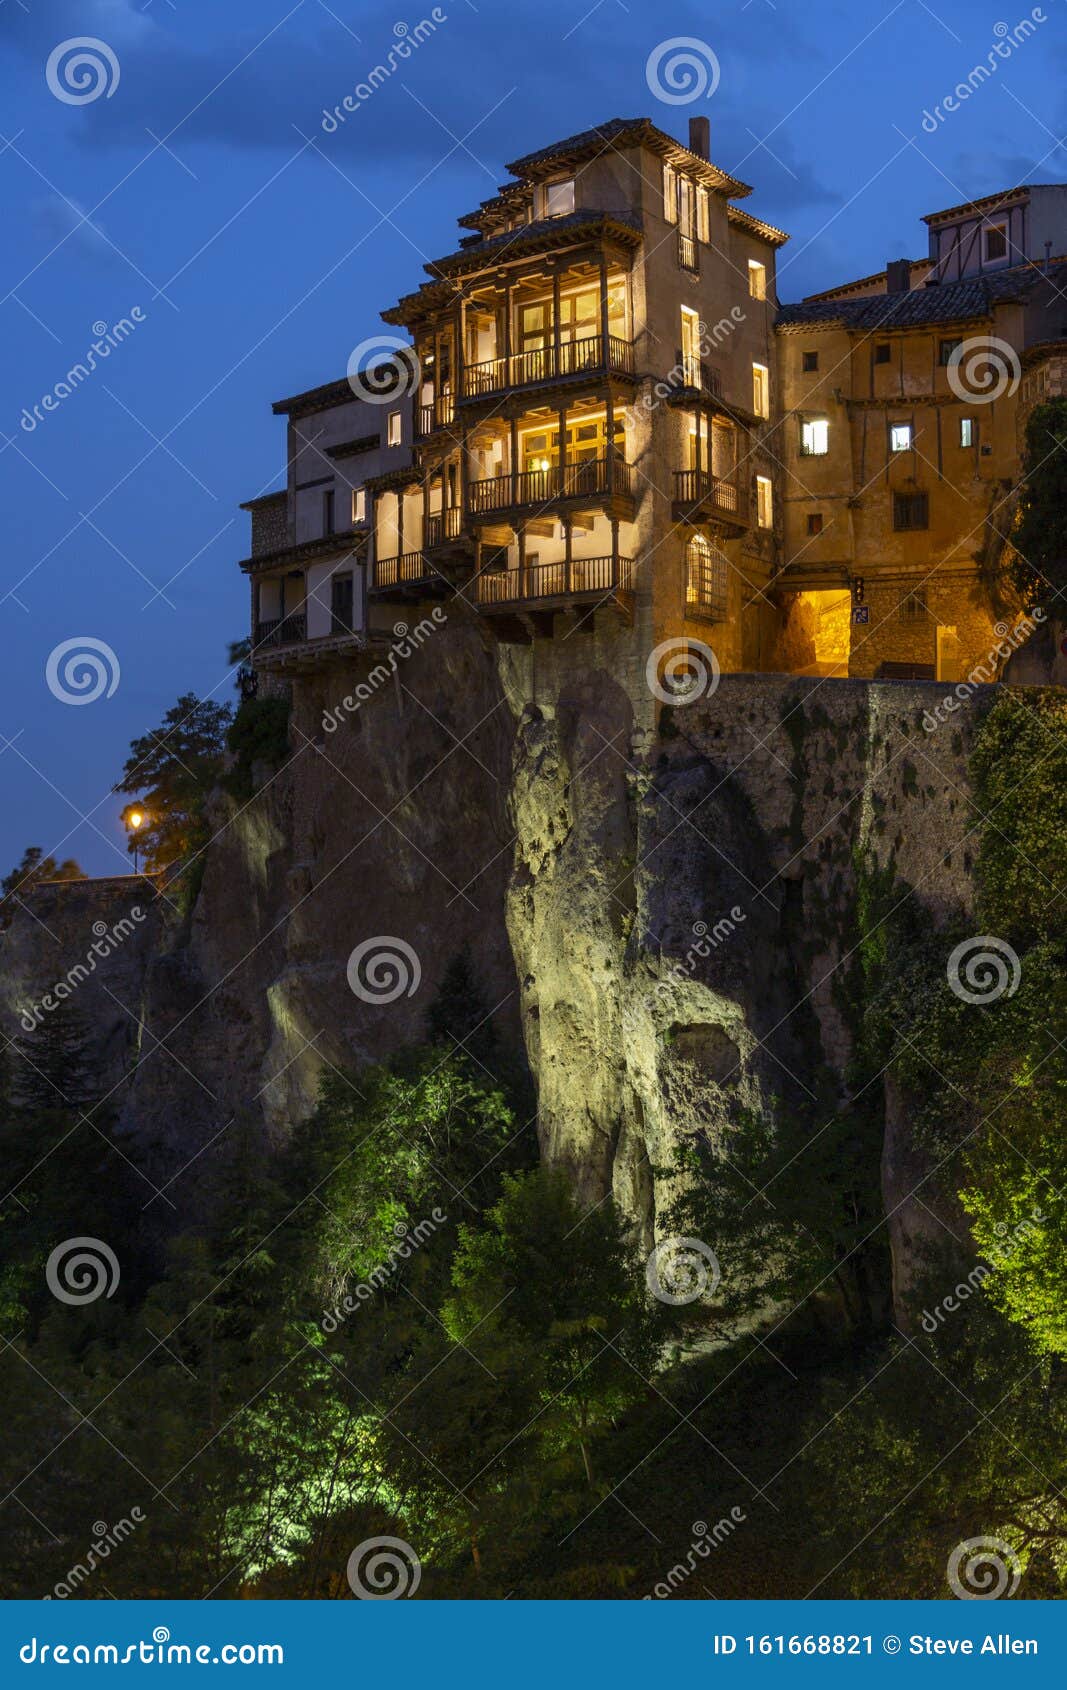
[[135, 818]]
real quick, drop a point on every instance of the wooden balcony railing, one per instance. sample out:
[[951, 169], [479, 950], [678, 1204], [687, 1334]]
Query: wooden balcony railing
[[438, 414], [554, 580], [687, 253], [590, 355], [444, 525], [696, 376], [285, 630], [394, 571], [590, 477], [693, 487]]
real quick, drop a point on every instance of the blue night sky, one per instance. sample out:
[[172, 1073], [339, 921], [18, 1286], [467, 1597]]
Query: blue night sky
[[260, 250]]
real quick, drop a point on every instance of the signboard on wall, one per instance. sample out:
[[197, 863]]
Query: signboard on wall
[[861, 613]]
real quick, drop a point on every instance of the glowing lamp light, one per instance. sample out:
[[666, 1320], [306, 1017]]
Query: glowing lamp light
[[134, 819]]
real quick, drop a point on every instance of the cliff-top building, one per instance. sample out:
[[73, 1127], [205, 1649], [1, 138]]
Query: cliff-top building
[[609, 429]]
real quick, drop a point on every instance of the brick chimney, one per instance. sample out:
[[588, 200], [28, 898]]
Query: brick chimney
[[898, 275], [700, 137]]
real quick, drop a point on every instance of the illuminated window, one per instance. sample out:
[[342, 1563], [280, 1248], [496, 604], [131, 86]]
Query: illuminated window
[[764, 505], [966, 431], [757, 279], [900, 437], [559, 198], [393, 428], [761, 390], [814, 437], [705, 579], [359, 505], [703, 217], [690, 347], [995, 242]]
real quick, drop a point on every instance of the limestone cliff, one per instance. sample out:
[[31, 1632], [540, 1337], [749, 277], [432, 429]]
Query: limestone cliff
[[665, 923]]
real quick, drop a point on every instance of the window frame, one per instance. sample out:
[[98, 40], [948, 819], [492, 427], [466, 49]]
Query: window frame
[[761, 391], [547, 190], [808, 447], [883, 351], [757, 279], [968, 428], [815, 523], [359, 506], [914, 503], [764, 502], [907, 445], [998, 228], [394, 418]]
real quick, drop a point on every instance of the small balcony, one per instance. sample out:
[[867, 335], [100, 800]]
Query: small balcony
[[440, 413], [591, 478], [692, 376], [702, 497], [443, 526], [594, 354], [687, 253], [582, 577], [283, 630]]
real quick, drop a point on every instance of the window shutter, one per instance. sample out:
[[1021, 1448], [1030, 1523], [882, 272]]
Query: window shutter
[[670, 193], [703, 218]]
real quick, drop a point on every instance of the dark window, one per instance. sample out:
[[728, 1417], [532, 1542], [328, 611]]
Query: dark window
[[882, 352], [946, 349], [814, 522], [811, 362], [912, 607], [996, 241], [327, 511], [911, 510]]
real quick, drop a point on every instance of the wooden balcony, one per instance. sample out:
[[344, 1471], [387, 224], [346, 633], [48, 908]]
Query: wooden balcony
[[602, 480], [591, 356], [523, 601], [443, 526], [702, 497], [285, 630], [694, 378], [441, 413]]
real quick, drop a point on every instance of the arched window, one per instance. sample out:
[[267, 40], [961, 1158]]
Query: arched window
[[705, 579]]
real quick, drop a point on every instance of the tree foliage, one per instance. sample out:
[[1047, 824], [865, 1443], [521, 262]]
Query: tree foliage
[[1040, 533], [172, 771]]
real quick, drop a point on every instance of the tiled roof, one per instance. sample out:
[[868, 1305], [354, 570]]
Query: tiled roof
[[945, 303], [641, 131], [609, 131]]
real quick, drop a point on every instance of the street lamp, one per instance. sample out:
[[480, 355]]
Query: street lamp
[[134, 819]]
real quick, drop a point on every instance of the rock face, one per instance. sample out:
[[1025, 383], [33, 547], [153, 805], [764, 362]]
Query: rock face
[[664, 924]]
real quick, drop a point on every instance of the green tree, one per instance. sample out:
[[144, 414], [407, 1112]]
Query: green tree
[[172, 771], [34, 868], [1040, 533]]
